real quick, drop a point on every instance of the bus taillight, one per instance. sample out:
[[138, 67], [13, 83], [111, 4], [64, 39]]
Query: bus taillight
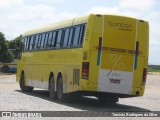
[[144, 76], [85, 70]]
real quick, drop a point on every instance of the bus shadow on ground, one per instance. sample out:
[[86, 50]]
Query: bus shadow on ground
[[87, 103]]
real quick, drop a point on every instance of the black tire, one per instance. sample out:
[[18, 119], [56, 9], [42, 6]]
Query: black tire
[[60, 95], [53, 94], [22, 85], [5, 69]]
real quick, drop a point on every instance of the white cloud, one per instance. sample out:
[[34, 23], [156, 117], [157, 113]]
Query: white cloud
[[137, 4], [116, 10], [103, 10], [46, 2], [141, 9], [153, 17], [19, 17], [9, 3]]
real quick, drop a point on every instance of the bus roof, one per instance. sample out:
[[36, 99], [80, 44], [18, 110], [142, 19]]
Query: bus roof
[[54, 26], [63, 24]]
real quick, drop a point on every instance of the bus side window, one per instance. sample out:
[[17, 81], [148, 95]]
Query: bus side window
[[76, 36], [81, 34], [66, 36], [49, 44], [62, 37], [59, 38], [31, 42], [25, 43], [28, 43], [42, 40], [21, 47], [39, 41], [46, 40], [54, 38], [36, 41], [70, 37]]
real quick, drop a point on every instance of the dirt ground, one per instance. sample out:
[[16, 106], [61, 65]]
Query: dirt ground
[[12, 99]]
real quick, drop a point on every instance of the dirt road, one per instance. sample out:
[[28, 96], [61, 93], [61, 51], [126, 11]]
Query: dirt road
[[12, 99]]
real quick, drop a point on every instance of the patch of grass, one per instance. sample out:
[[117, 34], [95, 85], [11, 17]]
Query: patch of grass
[[1, 73], [153, 70]]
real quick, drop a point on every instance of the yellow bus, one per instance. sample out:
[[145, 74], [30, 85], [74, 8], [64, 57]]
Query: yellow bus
[[97, 55]]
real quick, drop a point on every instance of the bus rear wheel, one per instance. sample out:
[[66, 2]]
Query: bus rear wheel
[[53, 94], [22, 85], [60, 94]]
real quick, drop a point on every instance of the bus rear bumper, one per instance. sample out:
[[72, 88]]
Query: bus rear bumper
[[122, 91]]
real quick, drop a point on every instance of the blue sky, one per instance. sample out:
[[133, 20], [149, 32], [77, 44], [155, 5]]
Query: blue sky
[[17, 16]]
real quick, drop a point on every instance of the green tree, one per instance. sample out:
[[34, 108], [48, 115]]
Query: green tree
[[7, 43], [2, 41], [15, 43], [6, 56]]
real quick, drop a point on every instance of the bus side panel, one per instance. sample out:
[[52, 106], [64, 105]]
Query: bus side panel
[[142, 60], [91, 39], [95, 36]]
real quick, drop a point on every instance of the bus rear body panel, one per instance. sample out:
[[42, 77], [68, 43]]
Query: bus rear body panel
[[118, 54]]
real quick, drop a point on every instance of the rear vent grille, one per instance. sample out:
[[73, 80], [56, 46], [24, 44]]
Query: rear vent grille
[[76, 76]]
